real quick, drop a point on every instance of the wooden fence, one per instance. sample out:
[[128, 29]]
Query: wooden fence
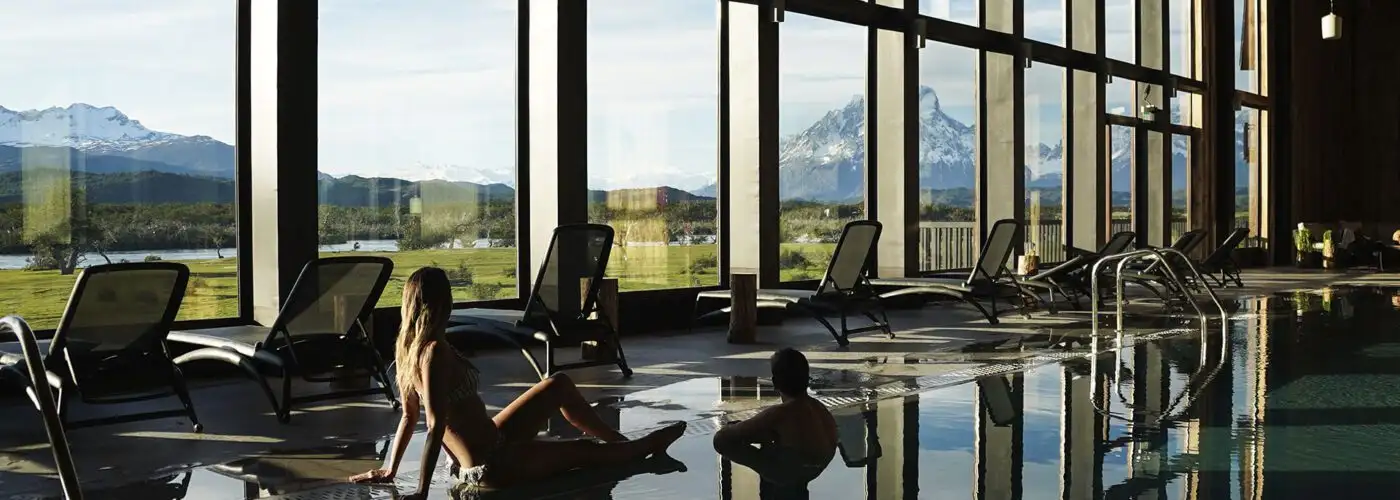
[[953, 245]]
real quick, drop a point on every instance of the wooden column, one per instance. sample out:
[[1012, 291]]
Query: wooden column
[[743, 309]]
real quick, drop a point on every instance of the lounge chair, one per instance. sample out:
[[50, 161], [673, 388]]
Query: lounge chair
[[1070, 278], [557, 311], [110, 345], [318, 335], [1151, 274], [986, 281], [844, 290], [1220, 264]]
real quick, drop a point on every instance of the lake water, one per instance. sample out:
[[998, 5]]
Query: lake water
[[18, 261]]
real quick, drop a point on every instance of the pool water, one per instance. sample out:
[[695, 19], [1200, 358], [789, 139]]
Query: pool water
[[1294, 397]]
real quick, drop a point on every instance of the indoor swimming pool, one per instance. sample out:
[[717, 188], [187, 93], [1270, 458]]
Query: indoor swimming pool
[[1295, 399]]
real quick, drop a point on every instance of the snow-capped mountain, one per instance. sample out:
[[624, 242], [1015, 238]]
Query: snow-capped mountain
[[92, 130], [79, 126], [824, 161]]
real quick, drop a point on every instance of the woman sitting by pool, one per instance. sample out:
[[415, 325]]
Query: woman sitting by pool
[[493, 452]]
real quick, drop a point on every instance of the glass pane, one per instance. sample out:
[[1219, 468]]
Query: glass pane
[[1120, 32], [652, 140], [1247, 47], [1045, 161], [821, 176], [1118, 97], [959, 11], [417, 140], [1181, 175], [1045, 21], [117, 145], [1120, 178], [1182, 49], [1184, 108], [1249, 166], [947, 156]]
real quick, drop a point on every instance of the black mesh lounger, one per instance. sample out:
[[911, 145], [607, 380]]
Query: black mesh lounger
[[318, 335], [557, 311], [984, 282], [109, 347], [844, 290]]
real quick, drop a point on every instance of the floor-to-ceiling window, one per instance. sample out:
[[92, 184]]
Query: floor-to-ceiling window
[[652, 144], [117, 144], [1045, 20], [1249, 171], [1121, 155], [958, 11], [947, 157], [1044, 157], [416, 146], [821, 122]]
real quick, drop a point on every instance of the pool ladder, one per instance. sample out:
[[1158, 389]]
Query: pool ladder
[[1159, 256], [43, 399]]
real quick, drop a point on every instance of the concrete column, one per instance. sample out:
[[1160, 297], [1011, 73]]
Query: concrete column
[[892, 157], [283, 183], [1086, 177], [752, 190], [998, 453], [558, 132], [1001, 169]]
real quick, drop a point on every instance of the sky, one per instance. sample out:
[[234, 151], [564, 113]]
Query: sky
[[425, 88]]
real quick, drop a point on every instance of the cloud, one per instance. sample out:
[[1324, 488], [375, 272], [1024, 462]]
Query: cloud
[[168, 63]]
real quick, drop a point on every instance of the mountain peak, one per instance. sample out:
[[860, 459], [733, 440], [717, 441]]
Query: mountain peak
[[928, 97], [80, 125]]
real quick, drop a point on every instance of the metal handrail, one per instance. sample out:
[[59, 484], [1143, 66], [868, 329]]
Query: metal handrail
[[43, 399], [1124, 258], [1094, 285], [1196, 272]]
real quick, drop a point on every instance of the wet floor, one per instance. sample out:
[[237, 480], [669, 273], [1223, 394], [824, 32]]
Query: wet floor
[[1291, 398]]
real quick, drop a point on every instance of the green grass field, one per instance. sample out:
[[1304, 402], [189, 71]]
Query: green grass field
[[39, 296]]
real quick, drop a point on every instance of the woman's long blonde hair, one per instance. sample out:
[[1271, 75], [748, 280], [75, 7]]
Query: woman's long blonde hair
[[427, 303]]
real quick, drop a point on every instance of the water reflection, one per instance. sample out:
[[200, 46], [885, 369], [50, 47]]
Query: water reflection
[[1295, 399]]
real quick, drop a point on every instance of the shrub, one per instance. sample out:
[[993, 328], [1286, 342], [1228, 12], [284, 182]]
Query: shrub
[[509, 272], [703, 264], [152, 258], [460, 275], [485, 291], [792, 259], [802, 276], [196, 285]]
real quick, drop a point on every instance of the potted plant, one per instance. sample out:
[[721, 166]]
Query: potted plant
[[1304, 255], [1329, 251]]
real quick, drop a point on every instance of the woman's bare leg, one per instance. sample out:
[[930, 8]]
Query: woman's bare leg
[[524, 418], [537, 460]]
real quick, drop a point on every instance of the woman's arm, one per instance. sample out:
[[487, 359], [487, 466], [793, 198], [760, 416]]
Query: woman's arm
[[436, 425], [411, 406]]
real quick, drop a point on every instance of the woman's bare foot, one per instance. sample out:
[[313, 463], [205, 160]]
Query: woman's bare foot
[[662, 438]]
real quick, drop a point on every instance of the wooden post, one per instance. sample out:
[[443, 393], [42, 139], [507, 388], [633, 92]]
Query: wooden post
[[607, 308], [743, 310]]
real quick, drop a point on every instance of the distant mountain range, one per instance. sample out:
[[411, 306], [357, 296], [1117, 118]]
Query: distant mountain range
[[122, 161]]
